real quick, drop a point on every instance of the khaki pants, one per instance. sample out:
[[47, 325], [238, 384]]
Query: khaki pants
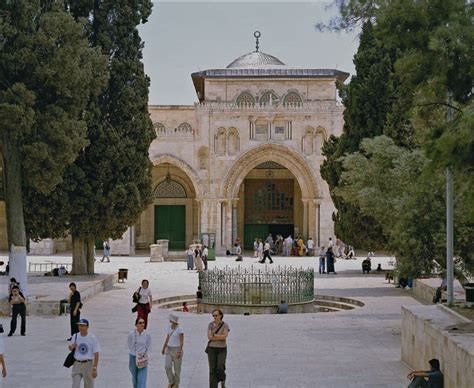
[[172, 358], [82, 370]]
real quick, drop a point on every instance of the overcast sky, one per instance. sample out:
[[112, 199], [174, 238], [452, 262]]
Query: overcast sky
[[183, 37]]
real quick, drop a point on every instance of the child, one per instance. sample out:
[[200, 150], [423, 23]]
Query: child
[[173, 348], [199, 300], [185, 307]]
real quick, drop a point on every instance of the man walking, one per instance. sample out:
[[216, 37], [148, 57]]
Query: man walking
[[106, 254], [86, 353], [205, 253], [310, 246], [18, 303], [266, 253]]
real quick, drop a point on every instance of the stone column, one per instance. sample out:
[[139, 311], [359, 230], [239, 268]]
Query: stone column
[[305, 217], [199, 215], [228, 224], [317, 208], [312, 227], [234, 219]]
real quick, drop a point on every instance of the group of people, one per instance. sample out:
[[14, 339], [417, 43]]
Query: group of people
[[197, 257], [86, 347]]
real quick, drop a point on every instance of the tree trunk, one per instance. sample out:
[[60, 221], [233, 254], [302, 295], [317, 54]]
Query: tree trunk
[[14, 209], [82, 255]]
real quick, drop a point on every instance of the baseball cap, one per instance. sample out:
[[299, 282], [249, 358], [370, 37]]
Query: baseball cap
[[83, 322], [173, 318]]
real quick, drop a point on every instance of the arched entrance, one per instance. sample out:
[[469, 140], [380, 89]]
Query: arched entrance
[[269, 189], [173, 215]]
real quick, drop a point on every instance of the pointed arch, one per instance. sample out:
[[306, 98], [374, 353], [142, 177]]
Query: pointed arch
[[245, 99]]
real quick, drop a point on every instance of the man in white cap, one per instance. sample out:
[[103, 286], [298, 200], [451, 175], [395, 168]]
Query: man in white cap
[[86, 352], [173, 348]]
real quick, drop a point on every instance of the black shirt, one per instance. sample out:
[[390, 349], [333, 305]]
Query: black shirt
[[75, 299], [199, 294], [435, 379]]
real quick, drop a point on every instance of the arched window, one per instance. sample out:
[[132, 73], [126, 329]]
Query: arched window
[[220, 141], [245, 99], [233, 141], [185, 128], [269, 98], [292, 99], [160, 129], [170, 189], [319, 141], [308, 141]]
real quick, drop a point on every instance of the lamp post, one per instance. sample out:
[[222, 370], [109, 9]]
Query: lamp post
[[449, 219]]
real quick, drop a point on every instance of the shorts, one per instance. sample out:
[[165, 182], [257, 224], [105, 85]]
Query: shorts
[[199, 301]]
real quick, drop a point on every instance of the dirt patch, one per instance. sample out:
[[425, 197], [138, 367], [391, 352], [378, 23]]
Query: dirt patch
[[467, 312]]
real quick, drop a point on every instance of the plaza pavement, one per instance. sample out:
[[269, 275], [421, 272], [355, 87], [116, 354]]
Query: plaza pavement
[[356, 348]]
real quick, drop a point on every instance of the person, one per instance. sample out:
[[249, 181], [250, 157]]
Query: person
[[366, 266], [205, 253], [139, 344], [278, 245], [13, 283], [106, 252], [199, 300], [185, 308], [217, 333], [18, 303], [432, 378], [300, 246], [266, 253], [330, 260], [260, 249], [75, 306], [350, 253], [145, 301], [439, 291], [310, 246], [190, 258], [2, 360], [86, 354], [197, 258], [282, 308], [173, 349], [269, 240], [322, 260], [238, 252], [379, 267], [62, 271], [287, 243], [255, 248]]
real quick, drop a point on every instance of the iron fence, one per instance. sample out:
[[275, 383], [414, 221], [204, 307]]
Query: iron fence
[[47, 267], [257, 286]]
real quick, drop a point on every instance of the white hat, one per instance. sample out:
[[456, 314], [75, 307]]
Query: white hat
[[173, 318]]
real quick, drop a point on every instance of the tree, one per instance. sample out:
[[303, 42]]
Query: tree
[[109, 185], [367, 101], [48, 73]]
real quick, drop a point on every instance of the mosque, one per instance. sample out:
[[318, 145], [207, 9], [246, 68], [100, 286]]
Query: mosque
[[241, 162]]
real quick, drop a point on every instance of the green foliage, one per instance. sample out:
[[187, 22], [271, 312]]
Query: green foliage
[[109, 185]]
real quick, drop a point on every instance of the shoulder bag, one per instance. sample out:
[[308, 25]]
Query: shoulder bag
[[136, 296], [69, 361], [208, 342], [141, 359]]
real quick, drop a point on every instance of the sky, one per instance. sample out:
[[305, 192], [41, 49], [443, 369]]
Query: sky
[[184, 37]]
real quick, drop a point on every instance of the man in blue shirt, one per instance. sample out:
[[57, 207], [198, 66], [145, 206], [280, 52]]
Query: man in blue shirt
[[430, 379]]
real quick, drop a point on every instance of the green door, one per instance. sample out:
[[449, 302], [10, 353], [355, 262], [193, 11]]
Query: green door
[[252, 231], [170, 224]]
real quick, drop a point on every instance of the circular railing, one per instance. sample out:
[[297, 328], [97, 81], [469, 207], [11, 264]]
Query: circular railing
[[257, 286]]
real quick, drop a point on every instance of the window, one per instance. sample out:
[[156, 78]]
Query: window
[[170, 189], [220, 141], [279, 129], [245, 99], [184, 128], [261, 129], [233, 141], [269, 98], [160, 129], [292, 99]]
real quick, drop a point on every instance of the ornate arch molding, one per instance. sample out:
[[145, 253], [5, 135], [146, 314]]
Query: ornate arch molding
[[275, 153], [181, 164]]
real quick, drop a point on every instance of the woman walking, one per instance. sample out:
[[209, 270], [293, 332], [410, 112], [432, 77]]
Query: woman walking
[[75, 306], [173, 349], [216, 350], [145, 300], [139, 344]]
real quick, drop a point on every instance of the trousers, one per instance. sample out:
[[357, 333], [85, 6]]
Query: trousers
[[138, 375], [80, 371], [265, 255], [170, 361], [143, 309], [216, 358], [418, 382], [73, 321], [18, 309], [322, 264]]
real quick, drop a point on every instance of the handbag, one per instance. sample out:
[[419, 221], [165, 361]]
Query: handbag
[[141, 359], [69, 361], [208, 342], [136, 296]]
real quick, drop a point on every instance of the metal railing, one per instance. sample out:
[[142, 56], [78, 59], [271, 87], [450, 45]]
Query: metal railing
[[257, 286], [47, 267]]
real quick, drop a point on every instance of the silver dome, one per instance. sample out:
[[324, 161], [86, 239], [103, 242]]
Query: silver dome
[[255, 59]]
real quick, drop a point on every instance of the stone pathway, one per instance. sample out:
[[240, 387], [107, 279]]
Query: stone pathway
[[356, 348]]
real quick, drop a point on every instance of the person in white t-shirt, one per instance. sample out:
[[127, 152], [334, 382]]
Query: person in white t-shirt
[[173, 349], [145, 301], [2, 360], [86, 353], [310, 246]]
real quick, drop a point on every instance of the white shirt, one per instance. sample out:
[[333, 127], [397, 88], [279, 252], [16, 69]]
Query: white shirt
[[139, 343], [86, 346], [267, 247], [205, 252], [174, 341], [260, 246], [310, 244], [144, 294], [289, 240]]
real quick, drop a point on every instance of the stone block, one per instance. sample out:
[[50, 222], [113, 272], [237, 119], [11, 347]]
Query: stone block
[[156, 253]]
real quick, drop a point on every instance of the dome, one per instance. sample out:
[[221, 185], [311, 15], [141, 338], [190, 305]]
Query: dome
[[255, 59]]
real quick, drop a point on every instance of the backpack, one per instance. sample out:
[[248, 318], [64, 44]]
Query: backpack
[[107, 247]]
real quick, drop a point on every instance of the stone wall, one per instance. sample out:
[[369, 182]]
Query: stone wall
[[425, 336]]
